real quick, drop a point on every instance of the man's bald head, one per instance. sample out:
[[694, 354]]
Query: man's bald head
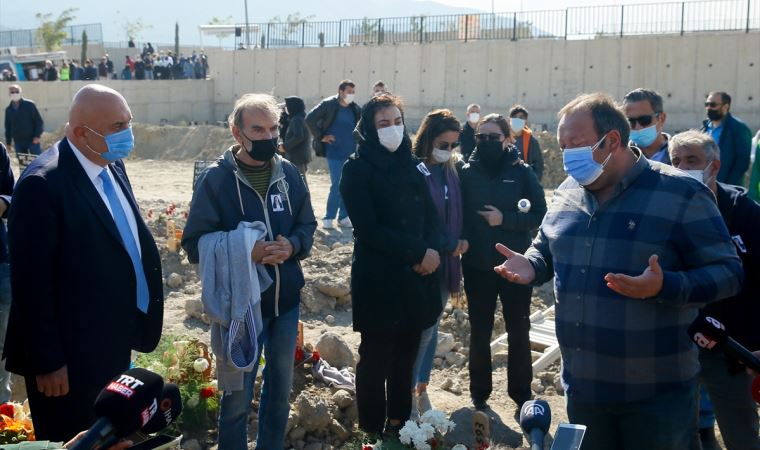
[[96, 111]]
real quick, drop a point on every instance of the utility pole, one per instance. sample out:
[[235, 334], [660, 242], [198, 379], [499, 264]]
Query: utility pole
[[247, 28]]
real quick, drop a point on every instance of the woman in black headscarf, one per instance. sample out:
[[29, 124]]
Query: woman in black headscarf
[[296, 140], [394, 280]]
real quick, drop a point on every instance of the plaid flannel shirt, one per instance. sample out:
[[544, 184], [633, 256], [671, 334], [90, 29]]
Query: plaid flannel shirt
[[620, 349]]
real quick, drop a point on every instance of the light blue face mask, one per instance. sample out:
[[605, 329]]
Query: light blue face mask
[[120, 144], [580, 165], [644, 137]]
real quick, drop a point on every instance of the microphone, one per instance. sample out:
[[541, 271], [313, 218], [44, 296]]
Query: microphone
[[169, 408], [710, 334], [756, 389], [124, 406], [535, 418]]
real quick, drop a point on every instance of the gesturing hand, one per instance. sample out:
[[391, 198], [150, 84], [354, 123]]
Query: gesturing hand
[[646, 285], [492, 215], [516, 268]]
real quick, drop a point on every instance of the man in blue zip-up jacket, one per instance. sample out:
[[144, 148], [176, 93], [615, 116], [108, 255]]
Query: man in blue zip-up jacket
[[251, 183]]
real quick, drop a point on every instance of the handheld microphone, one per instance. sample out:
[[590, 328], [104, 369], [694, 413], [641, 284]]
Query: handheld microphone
[[535, 418], [169, 409], [756, 389], [124, 406], [710, 334]]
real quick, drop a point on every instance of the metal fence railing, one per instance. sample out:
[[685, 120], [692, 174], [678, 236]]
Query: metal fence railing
[[30, 39], [570, 23]]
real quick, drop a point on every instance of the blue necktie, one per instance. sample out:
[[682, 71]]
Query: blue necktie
[[128, 239]]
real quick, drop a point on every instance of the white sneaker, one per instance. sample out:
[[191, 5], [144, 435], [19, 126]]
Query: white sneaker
[[328, 224], [345, 223]]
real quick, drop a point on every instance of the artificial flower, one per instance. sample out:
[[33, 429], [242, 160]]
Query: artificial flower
[[200, 365]]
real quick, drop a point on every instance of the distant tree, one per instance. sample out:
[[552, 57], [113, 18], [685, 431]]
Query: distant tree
[[52, 31], [176, 39], [218, 21], [84, 48], [133, 30], [293, 22]]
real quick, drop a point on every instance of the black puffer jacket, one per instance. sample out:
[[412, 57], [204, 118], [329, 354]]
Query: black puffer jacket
[[501, 188], [297, 139], [395, 222]]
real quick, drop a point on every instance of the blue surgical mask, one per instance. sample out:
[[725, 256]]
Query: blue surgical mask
[[580, 165], [644, 137], [120, 144], [517, 124]]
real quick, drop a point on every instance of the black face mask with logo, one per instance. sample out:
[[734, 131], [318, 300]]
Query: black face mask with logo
[[261, 150]]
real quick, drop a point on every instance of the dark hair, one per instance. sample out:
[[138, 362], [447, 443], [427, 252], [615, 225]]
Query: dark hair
[[378, 83], [346, 83], [606, 114], [645, 95], [517, 109], [366, 126], [724, 97], [433, 125], [499, 120]]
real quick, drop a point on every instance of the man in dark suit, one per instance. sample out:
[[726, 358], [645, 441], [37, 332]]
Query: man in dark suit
[[733, 137], [85, 271]]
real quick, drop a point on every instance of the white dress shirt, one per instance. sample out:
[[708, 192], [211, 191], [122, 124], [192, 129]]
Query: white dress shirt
[[93, 173]]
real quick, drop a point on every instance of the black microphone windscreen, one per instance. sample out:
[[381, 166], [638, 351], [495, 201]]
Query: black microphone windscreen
[[169, 408], [707, 332], [535, 414], [130, 400], [756, 388]]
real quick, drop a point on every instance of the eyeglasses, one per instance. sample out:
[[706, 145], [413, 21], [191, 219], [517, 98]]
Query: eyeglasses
[[713, 105], [447, 145], [645, 121], [493, 137]]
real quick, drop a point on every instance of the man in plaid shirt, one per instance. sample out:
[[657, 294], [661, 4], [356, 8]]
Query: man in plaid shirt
[[635, 248]]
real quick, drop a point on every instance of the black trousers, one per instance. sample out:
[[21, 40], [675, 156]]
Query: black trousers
[[482, 289], [384, 377], [59, 419]]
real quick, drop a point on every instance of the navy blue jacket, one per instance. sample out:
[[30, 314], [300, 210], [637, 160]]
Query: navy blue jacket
[[6, 191], [740, 314], [223, 198], [22, 124], [735, 146]]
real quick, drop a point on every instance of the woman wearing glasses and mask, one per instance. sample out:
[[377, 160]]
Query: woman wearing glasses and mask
[[394, 280], [502, 201], [437, 145]]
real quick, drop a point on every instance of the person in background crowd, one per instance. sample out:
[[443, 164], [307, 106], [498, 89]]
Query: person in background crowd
[[90, 72], [103, 69], [467, 136], [65, 74], [526, 144], [435, 143], [725, 379], [732, 135], [77, 72], [50, 73], [332, 124], [754, 183], [250, 183], [645, 113], [148, 60], [109, 66], [126, 74], [631, 380], [296, 142], [378, 88], [493, 184], [23, 123], [395, 289]]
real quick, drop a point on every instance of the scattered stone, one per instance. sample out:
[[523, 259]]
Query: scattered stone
[[550, 391], [446, 343], [447, 383], [546, 377], [499, 358], [537, 387], [455, 359], [438, 362], [456, 388], [344, 300], [296, 434], [313, 411], [317, 302], [174, 280], [332, 286], [335, 350], [351, 413], [339, 430], [194, 308], [330, 319], [342, 398], [313, 446]]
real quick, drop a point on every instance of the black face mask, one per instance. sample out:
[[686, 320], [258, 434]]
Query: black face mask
[[714, 114], [261, 150], [490, 152]]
